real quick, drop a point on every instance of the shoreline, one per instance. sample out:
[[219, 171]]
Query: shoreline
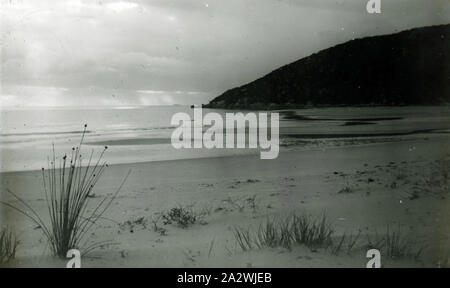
[[357, 142], [284, 148]]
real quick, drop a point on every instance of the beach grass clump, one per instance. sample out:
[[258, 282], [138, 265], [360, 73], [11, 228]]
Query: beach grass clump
[[286, 232], [68, 184], [274, 233], [317, 233], [244, 238], [311, 232], [8, 245], [394, 245]]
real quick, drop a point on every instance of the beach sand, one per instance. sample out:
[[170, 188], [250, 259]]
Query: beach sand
[[398, 184]]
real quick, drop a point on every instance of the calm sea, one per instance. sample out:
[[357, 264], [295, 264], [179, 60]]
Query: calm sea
[[138, 134]]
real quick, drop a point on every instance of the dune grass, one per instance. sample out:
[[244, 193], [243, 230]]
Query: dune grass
[[286, 232], [244, 238], [8, 245], [68, 184], [394, 244], [318, 233]]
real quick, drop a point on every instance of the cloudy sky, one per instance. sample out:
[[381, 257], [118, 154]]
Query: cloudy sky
[[157, 52]]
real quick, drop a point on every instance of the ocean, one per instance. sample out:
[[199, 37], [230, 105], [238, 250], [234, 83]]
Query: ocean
[[141, 134], [132, 134]]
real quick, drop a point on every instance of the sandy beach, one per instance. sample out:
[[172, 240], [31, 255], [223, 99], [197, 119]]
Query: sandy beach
[[363, 188]]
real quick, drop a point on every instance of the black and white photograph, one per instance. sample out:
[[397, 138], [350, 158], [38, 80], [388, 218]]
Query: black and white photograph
[[225, 134]]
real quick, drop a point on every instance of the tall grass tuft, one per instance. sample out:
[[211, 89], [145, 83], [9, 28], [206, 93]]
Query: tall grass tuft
[[312, 232], [8, 245], [274, 233], [294, 229], [68, 188], [395, 245], [243, 238]]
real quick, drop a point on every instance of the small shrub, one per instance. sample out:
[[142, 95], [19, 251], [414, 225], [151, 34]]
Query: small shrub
[[182, 216]]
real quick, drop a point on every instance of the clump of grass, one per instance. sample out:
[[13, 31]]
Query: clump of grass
[[68, 185], [394, 245], [294, 229], [244, 238], [274, 233], [346, 190], [182, 216], [312, 232], [252, 203], [8, 245], [318, 233]]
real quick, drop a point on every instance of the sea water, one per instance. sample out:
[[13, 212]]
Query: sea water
[[140, 134]]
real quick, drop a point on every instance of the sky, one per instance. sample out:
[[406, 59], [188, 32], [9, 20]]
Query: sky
[[164, 52]]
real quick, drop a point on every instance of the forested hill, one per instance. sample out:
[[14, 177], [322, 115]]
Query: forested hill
[[407, 68]]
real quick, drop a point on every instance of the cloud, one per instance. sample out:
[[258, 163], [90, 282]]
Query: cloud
[[97, 48], [49, 96], [121, 6]]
